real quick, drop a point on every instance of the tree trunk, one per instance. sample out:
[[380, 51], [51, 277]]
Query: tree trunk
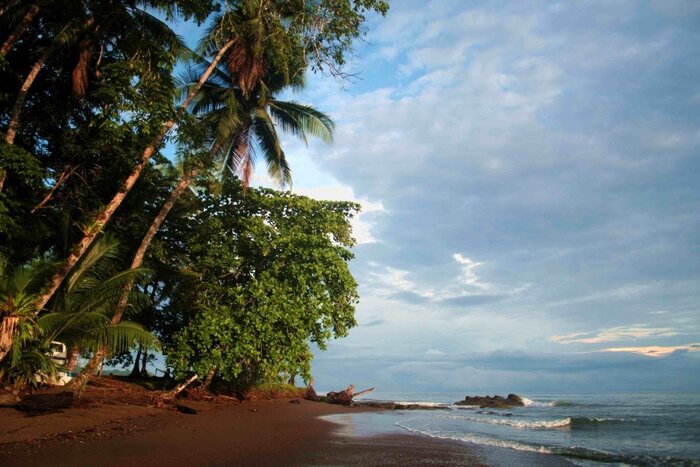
[[72, 360], [144, 361], [79, 382], [146, 241], [178, 389], [7, 334], [28, 81], [10, 5], [209, 378], [22, 96], [106, 214], [136, 371], [19, 30]]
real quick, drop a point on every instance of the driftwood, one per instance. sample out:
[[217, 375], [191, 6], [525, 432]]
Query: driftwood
[[172, 394], [344, 397]]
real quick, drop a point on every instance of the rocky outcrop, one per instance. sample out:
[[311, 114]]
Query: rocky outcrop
[[494, 402]]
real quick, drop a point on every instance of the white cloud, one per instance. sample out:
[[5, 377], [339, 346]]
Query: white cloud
[[656, 350], [469, 276], [620, 333], [362, 223]]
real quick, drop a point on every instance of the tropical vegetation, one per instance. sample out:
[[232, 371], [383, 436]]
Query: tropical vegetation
[[111, 247]]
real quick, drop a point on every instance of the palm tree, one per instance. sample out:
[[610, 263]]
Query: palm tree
[[106, 213], [83, 316], [136, 29], [18, 294], [243, 128]]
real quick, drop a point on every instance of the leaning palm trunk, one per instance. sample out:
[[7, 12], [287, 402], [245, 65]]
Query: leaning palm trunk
[[19, 30], [106, 214], [28, 81], [22, 95], [182, 185], [7, 333], [72, 360]]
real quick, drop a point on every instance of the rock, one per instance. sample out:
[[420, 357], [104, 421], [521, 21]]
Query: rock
[[494, 402]]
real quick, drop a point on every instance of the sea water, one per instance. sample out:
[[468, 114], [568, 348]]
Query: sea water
[[631, 429]]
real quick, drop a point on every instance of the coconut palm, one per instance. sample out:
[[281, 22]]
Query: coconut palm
[[243, 128], [106, 213]]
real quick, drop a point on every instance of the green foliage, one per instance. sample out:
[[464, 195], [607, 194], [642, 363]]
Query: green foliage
[[83, 310], [273, 277], [243, 284]]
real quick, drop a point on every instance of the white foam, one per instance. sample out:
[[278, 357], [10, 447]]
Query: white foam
[[481, 440], [529, 402], [541, 424], [422, 404]]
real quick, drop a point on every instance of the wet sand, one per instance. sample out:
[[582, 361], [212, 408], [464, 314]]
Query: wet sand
[[280, 432]]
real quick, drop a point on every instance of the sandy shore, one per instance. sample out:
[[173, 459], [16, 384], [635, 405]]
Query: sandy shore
[[280, 432]]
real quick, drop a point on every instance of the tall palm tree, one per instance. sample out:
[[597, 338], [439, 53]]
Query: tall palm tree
[[243, 129], [224, 41]]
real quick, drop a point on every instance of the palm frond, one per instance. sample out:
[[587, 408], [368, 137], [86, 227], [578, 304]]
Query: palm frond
[[299, 118], [271, 149]]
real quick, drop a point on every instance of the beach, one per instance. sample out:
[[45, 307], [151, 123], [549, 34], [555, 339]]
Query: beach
[[266, 432]]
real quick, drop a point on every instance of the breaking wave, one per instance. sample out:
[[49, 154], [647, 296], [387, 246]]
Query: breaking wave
[[572, 452], [570, 422]]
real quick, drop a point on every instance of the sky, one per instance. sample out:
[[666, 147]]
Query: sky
[[530, 180]]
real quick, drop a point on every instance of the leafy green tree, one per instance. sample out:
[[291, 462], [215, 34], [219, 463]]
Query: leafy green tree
[[272, 276]]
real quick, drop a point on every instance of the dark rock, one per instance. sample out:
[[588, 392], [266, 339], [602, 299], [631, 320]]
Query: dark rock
[[494, 402]]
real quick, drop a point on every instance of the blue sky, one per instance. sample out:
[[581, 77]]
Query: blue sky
[[530, 175]]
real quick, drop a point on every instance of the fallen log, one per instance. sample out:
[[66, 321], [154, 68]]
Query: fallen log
[[160, 401], [172, 394], [47, 402], [345, 396]]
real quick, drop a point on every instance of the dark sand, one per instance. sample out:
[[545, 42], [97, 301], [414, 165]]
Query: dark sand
[[253, 433]]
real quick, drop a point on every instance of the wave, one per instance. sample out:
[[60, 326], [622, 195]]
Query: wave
[[518, 423], [480, 440], [563, 403], [570, 422], [572, 452], [422, 404], [560, 403]]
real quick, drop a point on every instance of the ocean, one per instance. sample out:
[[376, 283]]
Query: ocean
[[589, 430]]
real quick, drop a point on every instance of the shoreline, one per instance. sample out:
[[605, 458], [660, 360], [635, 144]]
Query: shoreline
[[266, 432]]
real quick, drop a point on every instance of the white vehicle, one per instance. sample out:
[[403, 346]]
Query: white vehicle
[[59, 355]]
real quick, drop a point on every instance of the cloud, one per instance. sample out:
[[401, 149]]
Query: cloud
[[619, 333], [537, 169], [361, 224], [656, 350], [374, 322]]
